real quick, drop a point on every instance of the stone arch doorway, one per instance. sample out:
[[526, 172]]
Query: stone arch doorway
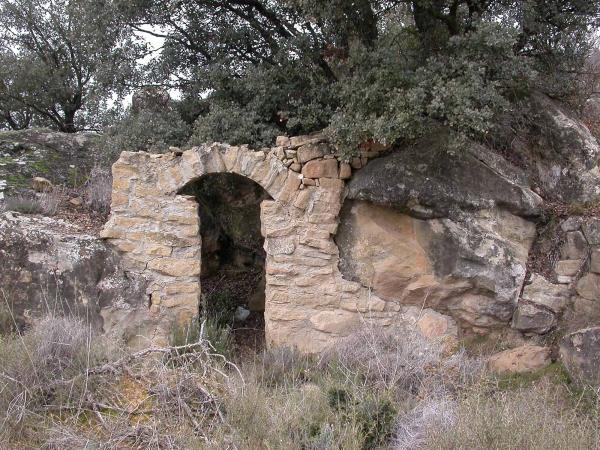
[[232, 269], [308, 304]]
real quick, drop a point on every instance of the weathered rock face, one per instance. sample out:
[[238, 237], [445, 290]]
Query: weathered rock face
[[471, 267], [580, 353], [49, 266], [431, 180]]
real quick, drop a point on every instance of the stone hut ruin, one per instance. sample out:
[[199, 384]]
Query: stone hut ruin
[[157, 229]]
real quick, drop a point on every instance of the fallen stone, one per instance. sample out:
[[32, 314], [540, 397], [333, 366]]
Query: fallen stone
[[41, 184], [580, 353], [434, 325], [241, 314], [526, 358], [76, 201]]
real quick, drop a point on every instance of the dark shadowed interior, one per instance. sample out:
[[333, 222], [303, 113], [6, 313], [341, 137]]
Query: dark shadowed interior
[[233, 257]]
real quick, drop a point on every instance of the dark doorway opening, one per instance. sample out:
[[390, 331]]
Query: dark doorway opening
[[233, 258]]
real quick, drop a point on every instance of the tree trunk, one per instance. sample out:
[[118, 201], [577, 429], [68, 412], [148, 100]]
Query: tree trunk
[[68, 124]]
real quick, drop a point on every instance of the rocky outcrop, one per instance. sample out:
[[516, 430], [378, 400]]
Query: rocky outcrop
[[557, 149], [60, 157], [50, 266], [580, 353]]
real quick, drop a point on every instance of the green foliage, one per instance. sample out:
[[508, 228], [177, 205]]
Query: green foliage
[[378, 418], [216, 314], [150, 131], [387, 96], [220, 337], [368, 70], [284, 366], [62, 60]]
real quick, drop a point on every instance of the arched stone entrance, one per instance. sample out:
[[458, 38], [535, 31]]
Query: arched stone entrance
[[307, 302], [233, 257]]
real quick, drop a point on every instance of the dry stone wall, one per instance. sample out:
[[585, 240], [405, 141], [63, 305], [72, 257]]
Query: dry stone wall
[[308, 302]]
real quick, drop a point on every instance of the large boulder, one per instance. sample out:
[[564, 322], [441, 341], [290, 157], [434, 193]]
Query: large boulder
[[580, 353], [50, 266], [471, 266], [444, 227], [432, 179]]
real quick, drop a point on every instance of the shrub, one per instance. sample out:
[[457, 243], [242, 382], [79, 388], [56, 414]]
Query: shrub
[[396, 358], [151, 131], [219, 307], [7, 323], [283, 366], [98, 190], [432, 414]]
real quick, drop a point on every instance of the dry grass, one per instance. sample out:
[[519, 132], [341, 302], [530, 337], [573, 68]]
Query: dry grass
[[97, 190], [394, 359], [62, 387], [541, 416], [45, 203]]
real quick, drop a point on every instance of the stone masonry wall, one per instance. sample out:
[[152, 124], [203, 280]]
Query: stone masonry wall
[[308, 303]]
